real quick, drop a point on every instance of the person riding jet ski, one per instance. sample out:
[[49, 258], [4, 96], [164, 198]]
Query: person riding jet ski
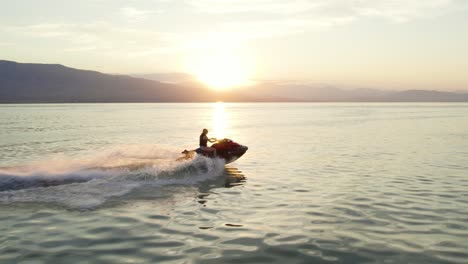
[[204, 143], [222, 149]]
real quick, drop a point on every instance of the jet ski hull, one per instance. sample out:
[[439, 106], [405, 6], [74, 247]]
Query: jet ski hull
[[226, 149]]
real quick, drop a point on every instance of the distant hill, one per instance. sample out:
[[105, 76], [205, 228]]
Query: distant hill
[[327, 93], [426, 96], [54, 83], [172, 77]]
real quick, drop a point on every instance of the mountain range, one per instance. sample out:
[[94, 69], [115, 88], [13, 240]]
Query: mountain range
[[55, 83]]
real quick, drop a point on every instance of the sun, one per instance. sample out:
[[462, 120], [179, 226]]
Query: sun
[[220, 69]]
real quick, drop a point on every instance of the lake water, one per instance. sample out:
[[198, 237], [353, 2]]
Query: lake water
[[320, 183]]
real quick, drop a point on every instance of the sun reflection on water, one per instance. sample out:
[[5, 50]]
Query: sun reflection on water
[[219, 120]]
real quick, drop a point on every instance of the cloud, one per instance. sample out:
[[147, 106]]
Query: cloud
[[45, 30], [399, 10], [132, 14], [260, 18], [235, 20], [100, 37], [391, 9], [253, 6]]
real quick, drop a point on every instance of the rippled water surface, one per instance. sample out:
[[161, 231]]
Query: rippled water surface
[[320, 183]]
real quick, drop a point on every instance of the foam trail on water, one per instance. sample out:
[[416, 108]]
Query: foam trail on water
[[89, 181]]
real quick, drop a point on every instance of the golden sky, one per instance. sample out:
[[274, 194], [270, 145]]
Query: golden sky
[[399, 44]]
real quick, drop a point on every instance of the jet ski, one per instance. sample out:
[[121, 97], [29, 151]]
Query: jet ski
[[226, 149]]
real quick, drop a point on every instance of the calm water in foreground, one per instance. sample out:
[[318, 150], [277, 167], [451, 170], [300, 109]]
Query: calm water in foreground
[[324, 183]]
